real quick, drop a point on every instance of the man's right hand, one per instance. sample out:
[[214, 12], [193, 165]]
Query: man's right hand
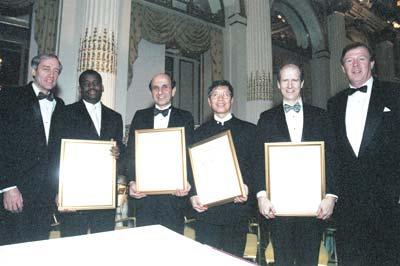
[[133, 192], [196, 204], [266, 208], [13, 201]]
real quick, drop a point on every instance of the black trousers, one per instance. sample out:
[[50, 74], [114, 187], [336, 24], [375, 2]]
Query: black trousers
[[78, 223], [230, 238], [165, 210], [31, 224], [368, 242], [296, 240]]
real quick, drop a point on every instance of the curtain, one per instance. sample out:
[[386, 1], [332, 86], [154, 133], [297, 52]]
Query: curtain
[[46, 20], [162, 27]]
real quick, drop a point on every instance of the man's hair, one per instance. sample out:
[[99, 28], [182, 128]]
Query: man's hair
[[38, 58], [89, 72], [292, 64], [218, 83], [354, 45], [173, 83]]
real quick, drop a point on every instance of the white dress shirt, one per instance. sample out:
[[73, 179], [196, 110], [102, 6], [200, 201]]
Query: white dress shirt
[[295, 122], [46, 109], [161, 121], [356, 115], [94, 111], [223, 120]]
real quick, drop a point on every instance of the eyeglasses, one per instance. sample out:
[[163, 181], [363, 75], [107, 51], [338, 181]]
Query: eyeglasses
[[224, 95]]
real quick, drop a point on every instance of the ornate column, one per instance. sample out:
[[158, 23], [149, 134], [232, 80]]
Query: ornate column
[[259, 59], [98, 44], [320, 77], [235, 69], [337, 41], [384, 60]]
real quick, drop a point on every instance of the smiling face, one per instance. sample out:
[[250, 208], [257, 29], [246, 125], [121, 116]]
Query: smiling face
[[91, 88], [220, 101], [357, 66], [290, 83], [46, 74], [161, 90]]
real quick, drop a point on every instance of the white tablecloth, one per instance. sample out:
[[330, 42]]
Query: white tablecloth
[[149, 245]]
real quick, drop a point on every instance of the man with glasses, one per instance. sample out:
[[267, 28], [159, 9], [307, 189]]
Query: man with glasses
[[225, 226]]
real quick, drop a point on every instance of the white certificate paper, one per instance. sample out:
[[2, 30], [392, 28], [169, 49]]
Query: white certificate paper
[[160, 160], [295, 177], [87, 175], [216, 171]]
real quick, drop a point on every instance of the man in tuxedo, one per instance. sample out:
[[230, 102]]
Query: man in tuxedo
[[366, 141], [225, 226], [296, 240], [89, 119], [32, 116], [167, 210]]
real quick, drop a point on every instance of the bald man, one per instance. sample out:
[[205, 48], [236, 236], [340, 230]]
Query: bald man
[[167, 210]]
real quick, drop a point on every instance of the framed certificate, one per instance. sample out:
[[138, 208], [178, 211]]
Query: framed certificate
[[87, 175], [295, 177], [160, 160], [216, 170]]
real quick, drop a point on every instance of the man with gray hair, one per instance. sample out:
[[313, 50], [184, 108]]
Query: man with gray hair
[[27, 190]]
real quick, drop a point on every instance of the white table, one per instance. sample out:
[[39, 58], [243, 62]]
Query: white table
[[148, 245]]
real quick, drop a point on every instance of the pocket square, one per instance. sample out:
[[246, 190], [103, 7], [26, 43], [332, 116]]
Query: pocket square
[[386, 109]]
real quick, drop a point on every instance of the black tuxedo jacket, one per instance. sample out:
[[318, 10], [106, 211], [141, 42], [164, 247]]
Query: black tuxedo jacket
[[272, 127], [79, 124], [144, 119], [368, 186], [27, 156]]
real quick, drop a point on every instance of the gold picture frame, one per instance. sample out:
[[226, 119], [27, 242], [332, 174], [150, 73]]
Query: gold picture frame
[[216, 170], [160, 160], [295, 177], [87, 178]]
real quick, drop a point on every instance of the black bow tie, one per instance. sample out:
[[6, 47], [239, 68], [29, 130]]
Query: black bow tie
[[361, 89], [49, 96], [163, 112]]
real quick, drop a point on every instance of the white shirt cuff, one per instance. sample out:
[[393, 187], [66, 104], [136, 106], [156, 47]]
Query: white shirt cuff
[[7, 189], [262, 193], [332, 195]]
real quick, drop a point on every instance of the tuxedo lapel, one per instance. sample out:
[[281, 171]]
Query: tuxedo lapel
[[37, 115], [282, 124], [104, 122], [340, 113], [307, 119], [374, 116], [148, 118], [173, 118], [57, 110], [85, 118], [107, 124]]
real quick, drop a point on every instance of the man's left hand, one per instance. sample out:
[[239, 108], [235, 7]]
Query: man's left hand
[[242, 198], [182, 192], [325, 208], [115, 152]]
